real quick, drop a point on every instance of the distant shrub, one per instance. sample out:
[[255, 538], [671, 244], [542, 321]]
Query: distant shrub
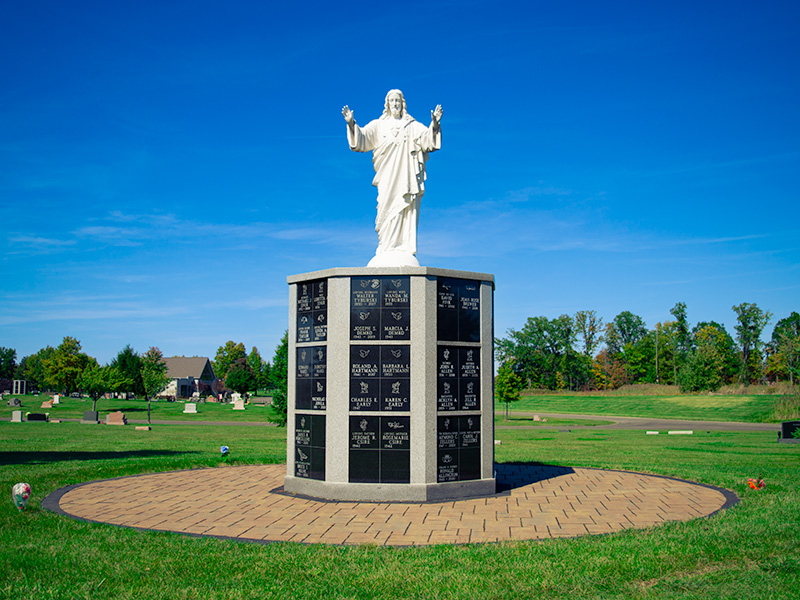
[[786, 409], [781, 388]]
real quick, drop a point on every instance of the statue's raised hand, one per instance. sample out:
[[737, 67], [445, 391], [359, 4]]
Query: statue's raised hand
[[436, 114], [348, 115]]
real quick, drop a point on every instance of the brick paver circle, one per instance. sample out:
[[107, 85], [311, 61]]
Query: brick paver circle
[[247, 503]]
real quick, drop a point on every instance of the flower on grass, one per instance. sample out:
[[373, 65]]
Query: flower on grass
[[756, 485], [20, 494], [223, 450]]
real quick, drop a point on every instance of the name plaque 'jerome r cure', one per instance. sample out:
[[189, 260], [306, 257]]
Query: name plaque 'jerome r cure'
[[390, 366]]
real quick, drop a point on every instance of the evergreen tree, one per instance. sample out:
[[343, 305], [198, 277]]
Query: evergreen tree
[[129, 365], [279, 376]]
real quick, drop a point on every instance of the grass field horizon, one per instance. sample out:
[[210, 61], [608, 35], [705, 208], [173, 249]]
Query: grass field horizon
[[667, 403], [748, 551]]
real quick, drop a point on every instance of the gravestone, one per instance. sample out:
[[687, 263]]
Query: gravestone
[[19, 386], [90, 417], [47, 404], [238, 404], [190, 408], [56, 399], [16, 416], [37, 417], [116, 418], [14, 402], [788, 431], [390, 387]]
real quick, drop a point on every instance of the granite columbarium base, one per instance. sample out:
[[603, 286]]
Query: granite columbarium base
[[390, 388]]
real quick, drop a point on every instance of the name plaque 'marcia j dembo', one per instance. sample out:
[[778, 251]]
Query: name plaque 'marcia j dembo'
[[391, 386]]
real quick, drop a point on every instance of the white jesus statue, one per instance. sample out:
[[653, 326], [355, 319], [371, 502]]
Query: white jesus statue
[[400, 147]]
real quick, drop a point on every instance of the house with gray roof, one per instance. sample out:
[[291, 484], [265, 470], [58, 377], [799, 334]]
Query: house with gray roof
[[189, 374]]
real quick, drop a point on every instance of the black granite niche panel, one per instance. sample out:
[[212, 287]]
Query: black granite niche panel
[[380, 449], [380, 308], [311, 378], [458, 310], [309, 446], [312, 311], [458, 377], [458, 448], [380, 378]]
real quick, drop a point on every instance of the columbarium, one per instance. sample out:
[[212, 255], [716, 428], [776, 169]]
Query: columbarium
[[390, 389]]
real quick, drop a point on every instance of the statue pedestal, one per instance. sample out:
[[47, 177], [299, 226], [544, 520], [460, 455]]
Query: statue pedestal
[[390, 394]]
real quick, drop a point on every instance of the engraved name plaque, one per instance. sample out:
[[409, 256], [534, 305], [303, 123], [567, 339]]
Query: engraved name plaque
[[312, 311], [309, 445], [458, 448], [311, 378], [380, 308], [458, 310], [380, 449]]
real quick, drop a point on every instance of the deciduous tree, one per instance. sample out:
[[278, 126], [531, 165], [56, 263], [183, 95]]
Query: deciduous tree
[[31, 368], [589, 327], [785, 348], [96, 381], [241, 378], [65, 365], [154, 374], [508, 385], [751, 321], [228, 354]]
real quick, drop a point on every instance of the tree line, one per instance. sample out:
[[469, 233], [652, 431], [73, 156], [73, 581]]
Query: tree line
[[245, 372], [581, 352], [66, 369]]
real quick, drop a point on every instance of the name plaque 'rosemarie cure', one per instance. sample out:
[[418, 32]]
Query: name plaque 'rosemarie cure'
[[380, 449]]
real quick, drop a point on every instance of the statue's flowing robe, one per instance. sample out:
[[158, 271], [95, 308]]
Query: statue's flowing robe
[[398, 155]]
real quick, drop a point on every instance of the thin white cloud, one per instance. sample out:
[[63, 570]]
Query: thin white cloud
[[39, 241]]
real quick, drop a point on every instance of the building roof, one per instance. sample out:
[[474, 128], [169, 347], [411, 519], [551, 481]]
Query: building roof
[[181, 367]]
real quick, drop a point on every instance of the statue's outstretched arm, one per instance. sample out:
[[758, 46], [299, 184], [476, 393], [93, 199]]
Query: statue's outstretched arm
[[348, 116]]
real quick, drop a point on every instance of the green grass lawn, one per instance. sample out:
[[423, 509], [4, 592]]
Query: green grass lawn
[[751, 409], [528, 421], [136, 410], [749, 551]]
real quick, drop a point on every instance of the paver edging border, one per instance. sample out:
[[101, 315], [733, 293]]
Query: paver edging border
[[51, 503]]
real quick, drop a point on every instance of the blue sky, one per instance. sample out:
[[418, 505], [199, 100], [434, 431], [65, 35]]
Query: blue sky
[[165, 165]]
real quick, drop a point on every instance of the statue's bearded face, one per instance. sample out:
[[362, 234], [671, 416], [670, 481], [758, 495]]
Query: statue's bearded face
[[395, 102]]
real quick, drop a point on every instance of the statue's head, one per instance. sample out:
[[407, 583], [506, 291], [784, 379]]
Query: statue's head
[[395, 104]]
